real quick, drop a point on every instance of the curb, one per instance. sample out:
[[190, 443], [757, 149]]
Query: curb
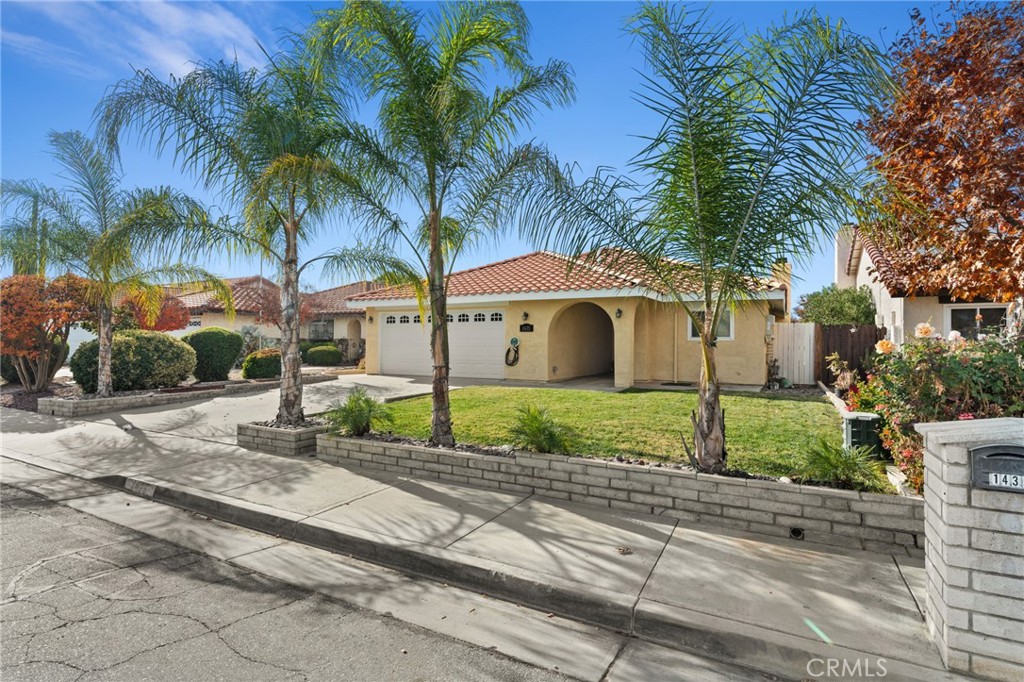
[[781, 655], [522, 587]]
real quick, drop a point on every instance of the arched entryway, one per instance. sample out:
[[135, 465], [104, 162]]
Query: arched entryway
[[355, 332], [581, 342]]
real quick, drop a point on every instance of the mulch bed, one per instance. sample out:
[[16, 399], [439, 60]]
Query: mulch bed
[[509, 451], [14, 396]]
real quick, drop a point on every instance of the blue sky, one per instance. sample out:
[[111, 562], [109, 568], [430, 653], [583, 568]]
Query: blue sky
[[57, 59]]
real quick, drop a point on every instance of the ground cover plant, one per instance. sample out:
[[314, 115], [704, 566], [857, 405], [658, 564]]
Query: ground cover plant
[[767, 433]]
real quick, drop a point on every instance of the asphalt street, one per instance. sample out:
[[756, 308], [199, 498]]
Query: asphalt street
[[84, 599]]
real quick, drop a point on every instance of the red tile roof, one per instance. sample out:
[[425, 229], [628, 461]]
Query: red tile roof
[[335, 301], [252, 293], [248, 292], [880, 263], [544, 272]]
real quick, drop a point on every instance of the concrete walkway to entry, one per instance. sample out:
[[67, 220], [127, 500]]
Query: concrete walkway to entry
[[762, 602]]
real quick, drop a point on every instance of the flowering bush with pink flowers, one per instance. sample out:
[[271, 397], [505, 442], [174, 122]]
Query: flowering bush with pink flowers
[[931, 379]]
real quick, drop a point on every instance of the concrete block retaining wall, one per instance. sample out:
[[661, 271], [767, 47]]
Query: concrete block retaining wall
[[60, 407], [885, 523], [289, 442]]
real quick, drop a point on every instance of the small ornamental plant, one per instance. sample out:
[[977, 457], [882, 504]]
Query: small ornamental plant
[[932, 379]]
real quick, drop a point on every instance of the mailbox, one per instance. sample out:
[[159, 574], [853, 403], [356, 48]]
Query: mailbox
[[998, 467]]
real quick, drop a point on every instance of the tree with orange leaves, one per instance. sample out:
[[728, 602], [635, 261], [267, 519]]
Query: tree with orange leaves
[[951, 148], [37, 318], [172, 315]]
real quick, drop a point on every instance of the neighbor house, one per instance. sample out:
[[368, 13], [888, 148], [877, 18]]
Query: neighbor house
[[530, 318], [258, 302], [859, 260], [335, 321]]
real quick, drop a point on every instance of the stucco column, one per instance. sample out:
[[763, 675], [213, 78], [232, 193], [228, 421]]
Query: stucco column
[[625, 342], [974, 555]]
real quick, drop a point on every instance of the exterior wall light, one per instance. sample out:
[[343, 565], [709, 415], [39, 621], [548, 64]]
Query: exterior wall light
[[618, 313], [526, 315], [370, 319]]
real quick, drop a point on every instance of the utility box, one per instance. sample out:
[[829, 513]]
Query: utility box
[[861, 429]]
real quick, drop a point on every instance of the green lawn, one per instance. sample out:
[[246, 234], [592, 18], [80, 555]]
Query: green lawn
[[763, 432]]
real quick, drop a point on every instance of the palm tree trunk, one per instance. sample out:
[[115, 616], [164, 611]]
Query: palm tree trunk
[[441, 413], [709, 421], [290, 412], [105, 381]]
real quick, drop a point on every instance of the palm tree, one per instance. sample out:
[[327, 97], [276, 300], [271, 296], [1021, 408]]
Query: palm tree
[[86, 228], [443, 147], [755, 158], [269, 142]]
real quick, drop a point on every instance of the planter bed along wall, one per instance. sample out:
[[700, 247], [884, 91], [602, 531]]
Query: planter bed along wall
[[278, 441], [883, 523], [61, 407]]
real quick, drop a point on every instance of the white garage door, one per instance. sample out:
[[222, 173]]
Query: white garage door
[[476, 343]]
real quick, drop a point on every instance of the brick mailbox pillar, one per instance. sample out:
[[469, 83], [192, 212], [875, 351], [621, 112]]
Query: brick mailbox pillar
[[974, 531]]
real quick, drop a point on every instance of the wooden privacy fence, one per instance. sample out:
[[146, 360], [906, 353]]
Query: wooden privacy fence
[[800, 348], [854, 345], [794, 346]]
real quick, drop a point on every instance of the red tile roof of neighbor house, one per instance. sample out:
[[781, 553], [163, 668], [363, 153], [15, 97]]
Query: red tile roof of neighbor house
[[335, 301], [544, 271], [250, 292], [880, 263]]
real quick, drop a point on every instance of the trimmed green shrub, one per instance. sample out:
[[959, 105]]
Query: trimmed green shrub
[[324, 356], [535, 429], [7, 370], [357, 415], [834, 465], [263, 364], [304, 347], [139, 360], [216, 351]]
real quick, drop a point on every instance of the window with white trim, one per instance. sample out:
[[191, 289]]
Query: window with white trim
[[390, 319], [975, 318], [496, 317], [321, 330], [463, 317], [195, 322], [725, 326]]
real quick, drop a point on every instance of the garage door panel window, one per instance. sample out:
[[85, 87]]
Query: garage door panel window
[[390, 319], [496, 317], [463, 317], [404, 319], [479, 317]]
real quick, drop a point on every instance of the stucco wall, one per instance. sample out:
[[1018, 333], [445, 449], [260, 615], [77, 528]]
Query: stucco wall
[[221, 320], [742, 360], [341, 324], [644, 336]]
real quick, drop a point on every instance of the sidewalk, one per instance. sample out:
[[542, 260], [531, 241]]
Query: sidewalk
[[746, 599]]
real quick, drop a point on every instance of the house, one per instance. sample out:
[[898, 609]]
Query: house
[[256, 299], [531, 318], [335, 321], [859, 260], [258, 304]]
